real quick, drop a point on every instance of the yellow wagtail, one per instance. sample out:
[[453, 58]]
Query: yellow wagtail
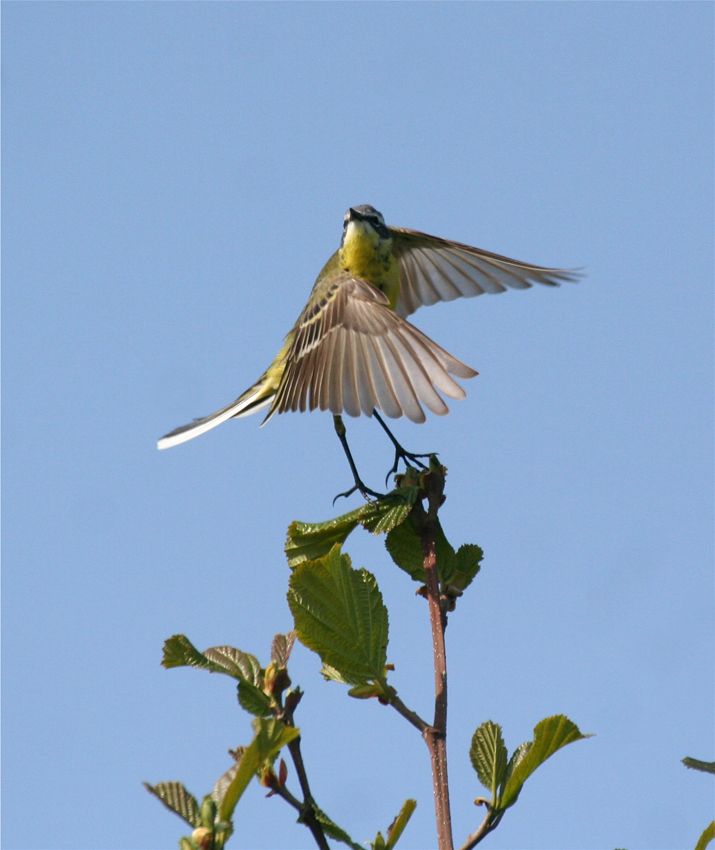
[[352, 350]]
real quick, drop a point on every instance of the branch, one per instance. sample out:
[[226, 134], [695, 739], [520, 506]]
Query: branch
[[307, 808], [426, 526], [486, 826], [409, 715], [307, 815]]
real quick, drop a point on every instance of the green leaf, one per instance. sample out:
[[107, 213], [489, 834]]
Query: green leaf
[[696, 764], [403, 544], [243, 772], [339, 614], [282, 647], [515, 759], [489, 757], [332, 830], [180, 652], [390, 511], [400, 822], [706, 837], [223, 782], [270, 736], [253, 700], [240, 665], [467, 565], [550, 735], [308, 541], [178, 800], [456, 570]]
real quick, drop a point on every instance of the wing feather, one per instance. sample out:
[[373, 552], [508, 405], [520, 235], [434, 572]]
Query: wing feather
[[350, 353], [436, 368], [385, 396], [351, 397], [401, 380], [365, 381], [336, 370], [419, 376], [434, 269]]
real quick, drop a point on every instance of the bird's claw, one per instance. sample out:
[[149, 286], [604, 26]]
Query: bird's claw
[[407, 457], [364, 491]]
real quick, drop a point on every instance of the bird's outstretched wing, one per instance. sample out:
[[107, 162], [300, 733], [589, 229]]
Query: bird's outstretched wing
[[434, 269], [352, 353]]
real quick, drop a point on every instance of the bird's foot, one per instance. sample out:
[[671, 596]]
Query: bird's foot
[[409, 459], [364, 491]]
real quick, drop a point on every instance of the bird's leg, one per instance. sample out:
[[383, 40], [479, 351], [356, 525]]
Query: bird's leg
[[400, 453], [366, 491]]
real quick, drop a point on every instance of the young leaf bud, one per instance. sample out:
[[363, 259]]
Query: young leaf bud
[[292, 699], [208, 812], [203, 838], [268, 778], [364, 691], [269, 678]]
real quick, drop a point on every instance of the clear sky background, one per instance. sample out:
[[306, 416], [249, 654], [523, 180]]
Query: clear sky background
[[174, 177]]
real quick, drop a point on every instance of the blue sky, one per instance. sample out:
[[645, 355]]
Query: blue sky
[[174, 177]]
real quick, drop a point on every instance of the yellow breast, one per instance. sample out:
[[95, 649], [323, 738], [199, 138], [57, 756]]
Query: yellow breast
[[365, 254]]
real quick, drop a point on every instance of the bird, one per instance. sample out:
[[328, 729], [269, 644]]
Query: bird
[[352, 349]]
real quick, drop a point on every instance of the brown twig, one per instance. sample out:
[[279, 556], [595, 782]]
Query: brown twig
[[307, 814], [409, 715], [486, 826], [308, 808], [427, 526]]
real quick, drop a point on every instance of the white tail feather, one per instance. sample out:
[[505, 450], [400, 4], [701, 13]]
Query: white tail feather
[[245, 405]]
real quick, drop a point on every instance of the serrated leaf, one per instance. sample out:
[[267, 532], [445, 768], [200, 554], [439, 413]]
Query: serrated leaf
[[178, 800], [339, 614], [390, 511], [333, 675], [332, 830], [180, 652], [240, 665], [550, 735], [308, 541], [270, 736], [488, 756], [253, 700], [405, 549], [696, 764], [398, 825], [516, 757], [706, 837], [223, 782], [403, 544], [282, 647], [467, 565]]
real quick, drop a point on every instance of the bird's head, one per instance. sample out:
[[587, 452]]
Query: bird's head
[[364, 220]]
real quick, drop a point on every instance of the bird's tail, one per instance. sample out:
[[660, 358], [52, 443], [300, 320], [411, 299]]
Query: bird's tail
[[255, 398]]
